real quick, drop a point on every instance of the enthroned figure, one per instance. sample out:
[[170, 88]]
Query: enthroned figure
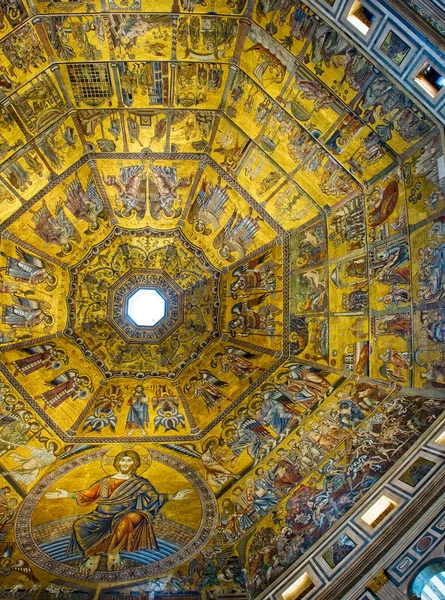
[[122, 521]]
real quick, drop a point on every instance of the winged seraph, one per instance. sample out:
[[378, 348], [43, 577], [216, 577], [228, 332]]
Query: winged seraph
[[162, 189], [67, 385], [242, 307], [46, 226], [104, 410], [208, 208], [251, 424], [236, 236], [255, 275], [85, 205], [101, 418], [56, 230], [131, 191], [259, 322], [208, 386], [236, 360], [69, 232], [44, 356]]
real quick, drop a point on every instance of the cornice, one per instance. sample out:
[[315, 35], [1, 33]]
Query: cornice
[[426, 15], [389, 543]]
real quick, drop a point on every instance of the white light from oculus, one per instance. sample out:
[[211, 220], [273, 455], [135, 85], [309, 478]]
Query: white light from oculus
[[146, 307]]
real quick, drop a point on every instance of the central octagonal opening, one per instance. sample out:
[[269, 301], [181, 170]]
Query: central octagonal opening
[[146, 307]]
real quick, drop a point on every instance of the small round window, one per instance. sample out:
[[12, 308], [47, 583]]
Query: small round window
[[429, 583]]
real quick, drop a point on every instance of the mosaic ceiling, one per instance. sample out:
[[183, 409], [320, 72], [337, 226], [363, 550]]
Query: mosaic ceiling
[[282, 196]]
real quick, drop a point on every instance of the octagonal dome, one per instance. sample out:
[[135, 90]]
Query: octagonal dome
[[285, 197]]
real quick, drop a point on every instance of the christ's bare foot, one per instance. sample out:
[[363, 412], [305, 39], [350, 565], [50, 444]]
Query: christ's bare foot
[[89, 565], [114, 562]]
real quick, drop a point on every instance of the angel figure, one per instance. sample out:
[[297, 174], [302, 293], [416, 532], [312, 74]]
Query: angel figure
[[56, 230], [29, 467], [112, 397], [85, 205], [256, 275], [29, 269], [43, 356], [235, 360], [67, 385], [303, 384], [208, 208], [208, 387], [27, 313], [162, 191], [212, 459], [248, 321], [247, 433], [276, 409], [236, 236], [131, 191]]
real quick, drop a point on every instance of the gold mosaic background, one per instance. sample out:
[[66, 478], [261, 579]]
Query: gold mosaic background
[[298, 173]]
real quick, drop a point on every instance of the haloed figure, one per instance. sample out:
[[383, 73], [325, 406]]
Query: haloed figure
[[126, 506], [137, 417]]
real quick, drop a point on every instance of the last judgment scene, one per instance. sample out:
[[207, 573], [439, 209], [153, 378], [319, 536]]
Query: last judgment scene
[[222, 293]]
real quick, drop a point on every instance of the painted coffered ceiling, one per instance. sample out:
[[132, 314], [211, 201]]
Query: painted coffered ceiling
[[283, 197]]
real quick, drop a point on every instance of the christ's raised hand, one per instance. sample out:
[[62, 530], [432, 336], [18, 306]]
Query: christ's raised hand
[[58, 494], [181, 494]]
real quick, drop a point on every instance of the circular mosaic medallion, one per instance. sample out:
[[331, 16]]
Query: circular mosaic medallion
[[89, 509]]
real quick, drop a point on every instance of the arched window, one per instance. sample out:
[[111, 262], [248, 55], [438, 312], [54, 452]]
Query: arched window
[[429, 583]]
